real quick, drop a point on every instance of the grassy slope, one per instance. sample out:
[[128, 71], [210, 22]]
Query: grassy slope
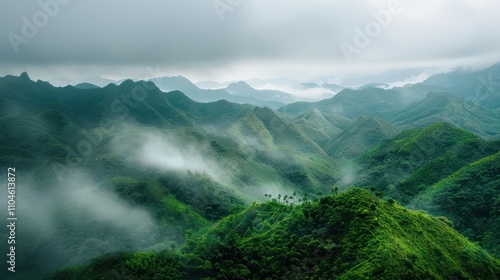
[[415, 159], [349, 236], [470, 197], [444, 107], [360, 137]]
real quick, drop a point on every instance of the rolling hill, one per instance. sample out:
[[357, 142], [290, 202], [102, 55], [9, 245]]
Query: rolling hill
[[350, 236], [443, 107], [358, 138], [481, 87], [171, 168], [240, 92]]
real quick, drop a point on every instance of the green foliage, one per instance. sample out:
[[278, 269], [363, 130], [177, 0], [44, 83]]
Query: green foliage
[[470, 198], [364, 134], [162, 265], [414, 160], [353, 235], [159, 201], [362, 236], [444, 170]]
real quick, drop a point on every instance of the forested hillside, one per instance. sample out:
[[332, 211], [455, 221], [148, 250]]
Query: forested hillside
[[354, 235], [176, 188]]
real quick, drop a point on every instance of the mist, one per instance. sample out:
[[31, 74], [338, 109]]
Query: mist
[[74, 220], [167, 151], [163, 152]]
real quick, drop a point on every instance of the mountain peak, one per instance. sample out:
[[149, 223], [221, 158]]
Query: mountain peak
[[181, 83], [240, 86], [362, 135], [25, 76]]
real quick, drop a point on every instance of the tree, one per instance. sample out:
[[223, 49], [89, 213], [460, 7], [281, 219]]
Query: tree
[[335, 190]]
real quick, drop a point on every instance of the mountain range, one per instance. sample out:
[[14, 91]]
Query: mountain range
[[202, 181]]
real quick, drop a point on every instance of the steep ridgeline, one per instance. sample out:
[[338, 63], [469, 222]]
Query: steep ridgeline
[[358, 138], [32, 113], [353, 104], [419, 105], [481, 87], [444, 170], [445, 107], [321, 127], [353, 235], [470, 198], [240, 92], [415, 159], [168, 167], [180, 163]]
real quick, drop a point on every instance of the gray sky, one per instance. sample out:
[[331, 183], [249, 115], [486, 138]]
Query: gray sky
[[295, 39]]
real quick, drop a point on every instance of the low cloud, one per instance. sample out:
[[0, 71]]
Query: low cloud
[[166, 151], [162, 152], [71, 221]]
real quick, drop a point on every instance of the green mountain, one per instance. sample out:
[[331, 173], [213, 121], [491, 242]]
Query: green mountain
[[415, 159], [275, 98], [320, 127], [470, 198], [240, 93], [481, 86], [364, 134], [86, 86], [443, 107], [131, 168], [350, 236], [183, 164], [441, 169], [356, 103], [411, 106]]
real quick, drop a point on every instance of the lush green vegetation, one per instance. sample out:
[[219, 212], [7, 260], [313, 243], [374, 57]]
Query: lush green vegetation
[[89, 191], [162, 265], [354, 235], [444, 170], [470, 198], [407, 164]]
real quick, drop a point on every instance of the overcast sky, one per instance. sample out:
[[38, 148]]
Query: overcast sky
[[244, 39]]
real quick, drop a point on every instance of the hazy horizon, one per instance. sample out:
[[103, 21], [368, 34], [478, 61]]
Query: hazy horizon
[[225, 41]]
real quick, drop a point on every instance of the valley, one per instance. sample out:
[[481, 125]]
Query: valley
[[127, 180]]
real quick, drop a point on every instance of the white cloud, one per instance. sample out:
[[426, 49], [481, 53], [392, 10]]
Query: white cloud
[[260, 38]]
